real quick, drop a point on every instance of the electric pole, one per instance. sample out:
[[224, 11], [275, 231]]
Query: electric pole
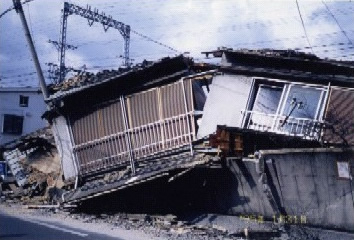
[[19, 10]]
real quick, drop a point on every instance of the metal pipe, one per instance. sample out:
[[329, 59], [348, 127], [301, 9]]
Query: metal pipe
[[186, 109], [74, 156], [129, 143], [19, 10]]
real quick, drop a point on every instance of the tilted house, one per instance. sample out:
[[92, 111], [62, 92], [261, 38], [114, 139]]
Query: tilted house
[[283, 92], [126, 120], [284, 122]]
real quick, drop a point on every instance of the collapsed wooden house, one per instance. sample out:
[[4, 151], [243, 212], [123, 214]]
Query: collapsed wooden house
[[139, 122]]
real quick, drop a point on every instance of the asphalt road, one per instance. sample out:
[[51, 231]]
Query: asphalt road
[[28, 229]]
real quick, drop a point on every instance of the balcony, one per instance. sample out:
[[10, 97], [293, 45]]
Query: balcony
[[303, 127]]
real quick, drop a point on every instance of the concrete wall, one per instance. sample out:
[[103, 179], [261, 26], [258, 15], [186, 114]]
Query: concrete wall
[[246, 195], [295, 182], [9, 104], [227, 98], [64, 145]]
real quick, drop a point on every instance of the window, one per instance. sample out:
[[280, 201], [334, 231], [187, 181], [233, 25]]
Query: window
[[12, 124], [268, 98], [24, 101], [265, 106], [307, 100], [285, 108]]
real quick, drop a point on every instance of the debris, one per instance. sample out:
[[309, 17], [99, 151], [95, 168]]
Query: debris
[[246, 232], [42, 206], [34, 162]]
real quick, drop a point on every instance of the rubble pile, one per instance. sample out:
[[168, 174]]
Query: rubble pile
[[83, 79], [73, 82], [34, 163], [196, 227], [228, 227], [87, 78], [170, 227]]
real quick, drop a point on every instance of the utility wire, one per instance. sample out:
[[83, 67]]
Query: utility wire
[[19, 75], [12, 8], [6, 11], [154, 41], [303, 26], [335, 19]]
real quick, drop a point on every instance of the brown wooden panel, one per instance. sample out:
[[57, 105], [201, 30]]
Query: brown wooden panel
[[172, 100], [157, 121], [340, 117], [189, 94], [143, 108]]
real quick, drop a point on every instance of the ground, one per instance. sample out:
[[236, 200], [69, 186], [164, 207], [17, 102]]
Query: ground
[[190, 226]]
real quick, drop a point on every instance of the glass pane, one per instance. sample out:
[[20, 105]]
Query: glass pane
[[306, 101], [267, 99], [265, 106], [12, 124]]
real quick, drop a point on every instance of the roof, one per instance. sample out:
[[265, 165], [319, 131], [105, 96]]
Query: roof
[[289, 53], [151, 70], [20, 89], [157, 167], [288, 64], [283, 58]]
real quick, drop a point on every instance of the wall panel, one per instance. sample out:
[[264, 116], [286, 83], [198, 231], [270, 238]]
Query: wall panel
[[157, 120]]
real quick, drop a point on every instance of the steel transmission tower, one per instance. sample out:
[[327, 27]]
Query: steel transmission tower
[[91, 16], [54, 72]]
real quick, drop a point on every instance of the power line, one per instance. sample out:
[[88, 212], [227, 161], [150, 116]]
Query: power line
[[12, 8], [19, 75], [6, 11], [335, 19], [303, 26], [154, 41]]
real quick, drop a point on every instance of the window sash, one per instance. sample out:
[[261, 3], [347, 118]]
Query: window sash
[[24, 100], [12, 124]]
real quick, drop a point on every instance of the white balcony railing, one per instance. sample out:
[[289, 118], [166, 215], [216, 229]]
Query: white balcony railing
[[292, 126]]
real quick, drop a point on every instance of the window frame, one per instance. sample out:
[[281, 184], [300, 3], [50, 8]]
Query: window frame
[[259, 86], [258, 82], [23, 101], [12, 132], [289, 86]]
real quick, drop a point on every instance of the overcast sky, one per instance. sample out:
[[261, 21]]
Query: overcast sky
[[186, 25]]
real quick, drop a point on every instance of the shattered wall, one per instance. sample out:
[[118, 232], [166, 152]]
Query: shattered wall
[[63, 142]]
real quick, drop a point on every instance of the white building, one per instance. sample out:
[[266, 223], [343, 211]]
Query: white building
[[20, 112]]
